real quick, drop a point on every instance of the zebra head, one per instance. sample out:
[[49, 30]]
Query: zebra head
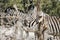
[[33, 24], [8, 20]]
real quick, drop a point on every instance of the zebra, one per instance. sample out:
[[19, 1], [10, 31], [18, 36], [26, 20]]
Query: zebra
[[53, 25], [50, 24]]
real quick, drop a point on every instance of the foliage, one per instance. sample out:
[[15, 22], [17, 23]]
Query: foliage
[[21, 4], [8, 3], [51, 7]]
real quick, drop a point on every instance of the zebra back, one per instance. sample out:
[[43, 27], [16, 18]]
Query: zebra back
[[53, 25]]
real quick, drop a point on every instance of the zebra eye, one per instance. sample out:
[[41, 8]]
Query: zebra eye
[[40, 19], [40, 16]]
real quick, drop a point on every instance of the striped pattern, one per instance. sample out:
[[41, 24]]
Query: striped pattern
[[54, 25], [51, 22]]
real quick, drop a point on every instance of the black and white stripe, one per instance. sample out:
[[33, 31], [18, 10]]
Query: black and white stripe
[[53, 24]]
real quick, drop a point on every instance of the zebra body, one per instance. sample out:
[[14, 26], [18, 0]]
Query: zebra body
[[54, 25], [50, 23]]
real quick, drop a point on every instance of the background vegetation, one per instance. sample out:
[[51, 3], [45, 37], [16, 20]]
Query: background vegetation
[[51, 7]]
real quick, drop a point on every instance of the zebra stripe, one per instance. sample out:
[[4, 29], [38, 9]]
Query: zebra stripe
[[53, 24], [34, 22]]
